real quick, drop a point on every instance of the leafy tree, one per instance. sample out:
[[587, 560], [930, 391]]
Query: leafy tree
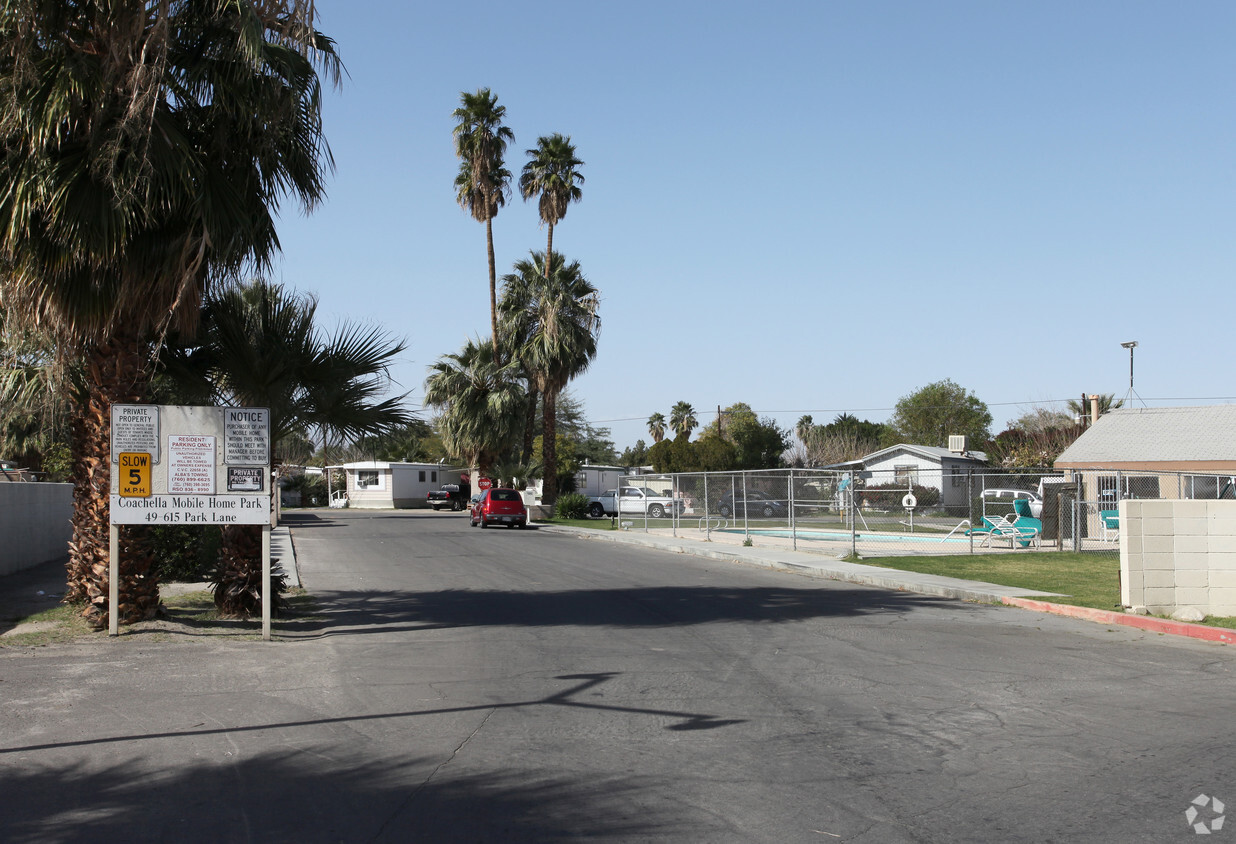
[[929, 415], [146, 149], [636, 455], [552, 173], [483, 182], [413, 442], [758, 443], [683, 420], [1038, 419], [551, 316], [656, 427], [480, 403]]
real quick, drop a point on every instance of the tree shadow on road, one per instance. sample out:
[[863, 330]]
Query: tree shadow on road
[[308, 795], [375, 611]]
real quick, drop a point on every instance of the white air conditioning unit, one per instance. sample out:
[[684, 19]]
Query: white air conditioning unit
[[957, 443]]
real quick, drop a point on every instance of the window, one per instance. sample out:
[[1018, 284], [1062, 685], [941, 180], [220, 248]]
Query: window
[[905, 474], [366, 479], [422, 477], [433, 476], [958, 476]]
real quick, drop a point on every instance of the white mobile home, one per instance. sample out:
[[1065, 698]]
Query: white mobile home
[[381, 485]]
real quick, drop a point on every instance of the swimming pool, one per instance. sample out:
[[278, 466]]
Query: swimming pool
[[844, 536]]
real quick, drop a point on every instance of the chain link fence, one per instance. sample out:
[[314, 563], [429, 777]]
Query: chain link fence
[[869, 514]]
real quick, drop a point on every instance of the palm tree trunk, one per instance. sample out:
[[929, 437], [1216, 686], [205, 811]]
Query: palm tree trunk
[[549, 448], [529, 425], [115, 373], [493, 287], [549, 250]]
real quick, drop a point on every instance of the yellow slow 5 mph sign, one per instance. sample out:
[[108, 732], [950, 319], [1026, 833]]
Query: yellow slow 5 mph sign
[[134, 480]]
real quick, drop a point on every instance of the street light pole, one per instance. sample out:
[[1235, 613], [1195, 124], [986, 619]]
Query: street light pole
[[1131, 345]]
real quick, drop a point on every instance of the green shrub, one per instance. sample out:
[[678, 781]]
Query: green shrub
[[888, 496], [184, 554], [571, 505]]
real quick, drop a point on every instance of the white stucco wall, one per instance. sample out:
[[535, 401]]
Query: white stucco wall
[[34, 524], [1177, 554]]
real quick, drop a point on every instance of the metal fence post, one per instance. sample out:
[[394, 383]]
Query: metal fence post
[[746, 530], [853, 521], [970, 506], [707, 521], [793, 525]]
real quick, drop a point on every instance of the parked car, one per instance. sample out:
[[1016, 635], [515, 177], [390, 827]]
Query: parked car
[[500, 507], [634, 499], [454, 496], [756, 503]]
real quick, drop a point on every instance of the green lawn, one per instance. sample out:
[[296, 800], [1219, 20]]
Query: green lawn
[[1087, 580]]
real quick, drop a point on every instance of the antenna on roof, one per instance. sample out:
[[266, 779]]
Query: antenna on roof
[[1131, 345]]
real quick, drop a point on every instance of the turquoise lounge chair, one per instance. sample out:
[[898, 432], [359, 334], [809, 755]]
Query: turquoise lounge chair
[[1109, 523]]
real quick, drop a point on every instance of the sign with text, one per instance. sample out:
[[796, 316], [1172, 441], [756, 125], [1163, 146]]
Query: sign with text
[[191, 510], [245, 478], [191, 464], [246, 438], [195, 482], [134, 474], [135, 427]]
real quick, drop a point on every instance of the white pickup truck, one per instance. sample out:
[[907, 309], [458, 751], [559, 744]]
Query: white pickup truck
[[634, 500]]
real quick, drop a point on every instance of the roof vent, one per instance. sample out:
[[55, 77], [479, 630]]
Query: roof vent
[[957, 443]]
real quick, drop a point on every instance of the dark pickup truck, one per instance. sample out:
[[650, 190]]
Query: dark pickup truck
[[454, 496]]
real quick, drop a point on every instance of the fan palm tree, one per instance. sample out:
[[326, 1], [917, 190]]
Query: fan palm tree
[[656, 427], [146, 149], [1081, 409], [550, 311], [803, 429], [483, 182], [683, 420], [258, 346], [553, 173], [480, 403]]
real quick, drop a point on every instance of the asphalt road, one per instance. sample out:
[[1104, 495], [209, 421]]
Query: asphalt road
[[504, 686]]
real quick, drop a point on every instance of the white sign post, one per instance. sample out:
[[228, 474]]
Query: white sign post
[[216, 471]]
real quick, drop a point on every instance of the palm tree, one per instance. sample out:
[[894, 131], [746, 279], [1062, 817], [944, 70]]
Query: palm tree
[[483, 182], [147, 147], [552, 172], [550, 310], [803, 429], [258, 346], [1081, 409], [682, 419], [656, 427], [480, 402]]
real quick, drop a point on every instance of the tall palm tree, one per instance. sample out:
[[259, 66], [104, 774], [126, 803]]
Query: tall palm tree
[[480, 402], [550, 310], [258, 345], [146, 149], [553, 173], [656, 427], [483, 182], [683, 420]]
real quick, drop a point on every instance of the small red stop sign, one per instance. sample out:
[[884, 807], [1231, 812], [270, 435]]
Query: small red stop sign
[[484, 483]]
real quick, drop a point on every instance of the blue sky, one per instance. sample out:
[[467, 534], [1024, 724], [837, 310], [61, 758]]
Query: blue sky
[[810, 207]]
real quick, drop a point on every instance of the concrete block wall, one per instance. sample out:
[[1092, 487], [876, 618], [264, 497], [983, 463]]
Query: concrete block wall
[[34, 524], [1178, 554]]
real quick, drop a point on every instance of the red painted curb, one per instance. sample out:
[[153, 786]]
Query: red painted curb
[[1143, 622]]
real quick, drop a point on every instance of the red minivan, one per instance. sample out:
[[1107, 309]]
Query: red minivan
[[500, 507]]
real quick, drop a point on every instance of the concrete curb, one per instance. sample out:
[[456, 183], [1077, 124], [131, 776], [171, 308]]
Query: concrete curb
[[904, 581], [1141, 622]]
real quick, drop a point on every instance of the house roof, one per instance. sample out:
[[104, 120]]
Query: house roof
[[931, 452], [385, 464], [1157, 435]]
